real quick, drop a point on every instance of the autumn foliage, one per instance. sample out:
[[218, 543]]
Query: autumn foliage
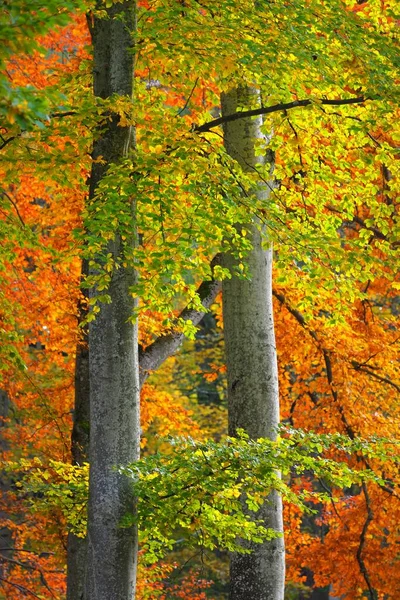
[[335, 226]]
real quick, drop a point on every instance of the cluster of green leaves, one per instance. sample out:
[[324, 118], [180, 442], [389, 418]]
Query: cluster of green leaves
[[317, 40], [330, 172], [54, 488], [194, 491], [188, 193]]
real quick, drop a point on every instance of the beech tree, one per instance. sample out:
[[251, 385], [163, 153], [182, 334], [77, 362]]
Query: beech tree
[[252, 369], [113, 343], [325, 101]]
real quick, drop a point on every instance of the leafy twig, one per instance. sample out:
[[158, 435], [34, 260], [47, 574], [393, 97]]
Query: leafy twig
[[188, 99], [4, 193]]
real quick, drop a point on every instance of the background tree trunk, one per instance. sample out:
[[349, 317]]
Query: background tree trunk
[[76, 546], [113, 346], [253, 395], [6, 538]]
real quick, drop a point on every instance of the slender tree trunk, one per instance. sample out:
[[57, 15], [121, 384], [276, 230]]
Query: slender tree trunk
[[253, 396], [113, 346], [76, 546], [6, 539]]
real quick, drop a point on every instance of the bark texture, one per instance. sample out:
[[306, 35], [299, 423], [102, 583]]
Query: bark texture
[[253, 395], [113, 346]]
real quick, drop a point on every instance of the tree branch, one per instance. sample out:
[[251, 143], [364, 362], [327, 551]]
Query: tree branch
[[7, 141], [329, 375], [265, 110], [14, 204], [61, 115], [184, 107], [369, 371], [19, 587], [358, 221], [360, 560], [327, 360], [164, 346]]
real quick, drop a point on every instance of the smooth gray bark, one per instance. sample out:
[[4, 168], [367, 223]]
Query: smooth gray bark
[[150, 359], [113, 355], [253, 395]]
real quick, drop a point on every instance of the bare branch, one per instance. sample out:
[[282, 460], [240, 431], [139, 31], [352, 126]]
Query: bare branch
[[61, 115], [4, 193], [7, 141], [283, 106], [20, 587], [360, 560], [369, 371], [164, 346], [327, 360], [188, 99]]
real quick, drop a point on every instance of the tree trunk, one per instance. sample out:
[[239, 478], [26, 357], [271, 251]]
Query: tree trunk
[[6, 538], [76, 546], [113, 346], [253, 397]]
